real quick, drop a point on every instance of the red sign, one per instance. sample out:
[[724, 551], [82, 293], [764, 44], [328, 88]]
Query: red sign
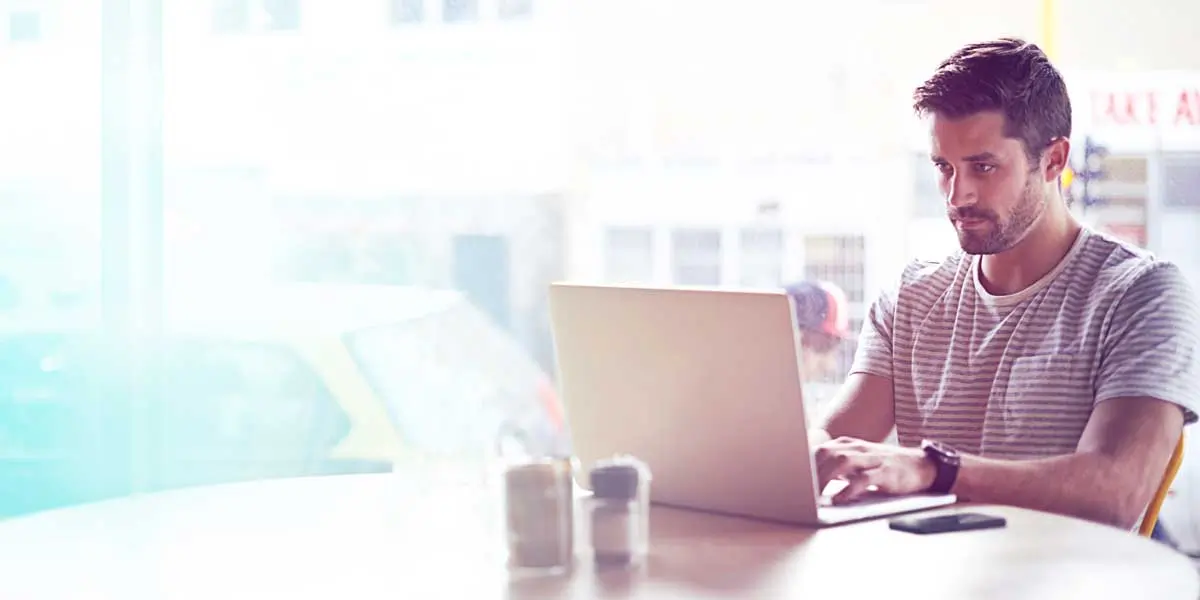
[[1147, 108]]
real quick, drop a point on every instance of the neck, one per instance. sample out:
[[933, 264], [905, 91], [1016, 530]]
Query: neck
[[1034, 256]]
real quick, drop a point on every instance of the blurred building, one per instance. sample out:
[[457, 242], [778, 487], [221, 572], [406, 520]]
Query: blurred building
[[734, 155], [402, 142], [495, 145], [397, 141]]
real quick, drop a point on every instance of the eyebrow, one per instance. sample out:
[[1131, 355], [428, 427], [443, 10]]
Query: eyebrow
[[981, 157]]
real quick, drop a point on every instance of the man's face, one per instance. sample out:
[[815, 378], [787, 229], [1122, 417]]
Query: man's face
[[993, 193]]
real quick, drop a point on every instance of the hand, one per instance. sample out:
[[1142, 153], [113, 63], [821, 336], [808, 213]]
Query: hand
[[890, 469]]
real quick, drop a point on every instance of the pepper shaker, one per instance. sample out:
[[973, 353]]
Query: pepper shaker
[[620, 511], [539, 503]]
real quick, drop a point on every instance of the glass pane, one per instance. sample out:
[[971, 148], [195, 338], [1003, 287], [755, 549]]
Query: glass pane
[[761, 257], [837, 259], [696, 257], [456, 11], [928, 197], [515, 9], [54, 412], [1181, 181], [456, 385], [243, 411], [362, 222], [363, 204], [24, 26], [629, 254], [407, 11]]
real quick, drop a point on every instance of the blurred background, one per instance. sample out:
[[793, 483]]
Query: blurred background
[[243, 239]]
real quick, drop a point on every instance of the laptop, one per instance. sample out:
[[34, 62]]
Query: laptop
[[703, 385]]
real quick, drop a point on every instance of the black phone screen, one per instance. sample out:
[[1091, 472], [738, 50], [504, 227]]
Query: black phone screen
[[947, 523]]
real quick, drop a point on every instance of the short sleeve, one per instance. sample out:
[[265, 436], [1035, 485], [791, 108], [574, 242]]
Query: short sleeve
[[874, 352], [1152, 345]]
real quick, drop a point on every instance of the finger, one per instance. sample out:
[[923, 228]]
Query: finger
[[843, 463], [825, 460], [859, 484]]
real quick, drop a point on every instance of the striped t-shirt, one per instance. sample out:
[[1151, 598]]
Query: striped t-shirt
[[1017, 376]]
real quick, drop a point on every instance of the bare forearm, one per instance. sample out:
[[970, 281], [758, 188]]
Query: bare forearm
[[863, 409], [1085, 485]]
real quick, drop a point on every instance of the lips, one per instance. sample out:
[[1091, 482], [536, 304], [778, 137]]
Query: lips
[[971, 223]]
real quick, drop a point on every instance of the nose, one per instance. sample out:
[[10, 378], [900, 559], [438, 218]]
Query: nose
[[959, 191]]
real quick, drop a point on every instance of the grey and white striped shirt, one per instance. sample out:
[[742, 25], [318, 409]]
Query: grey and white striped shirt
[[1017, 376]]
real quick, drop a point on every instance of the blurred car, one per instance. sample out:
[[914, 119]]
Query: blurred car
[[272, 381]]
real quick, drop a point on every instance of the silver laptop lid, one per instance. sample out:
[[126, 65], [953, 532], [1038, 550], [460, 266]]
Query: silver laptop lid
[[701, 384]]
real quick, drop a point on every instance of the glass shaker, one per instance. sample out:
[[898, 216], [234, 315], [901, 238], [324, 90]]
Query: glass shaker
[[620, 511], [539, 507]]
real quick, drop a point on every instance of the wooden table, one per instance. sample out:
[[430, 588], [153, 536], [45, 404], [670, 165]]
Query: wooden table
[[375, 536]]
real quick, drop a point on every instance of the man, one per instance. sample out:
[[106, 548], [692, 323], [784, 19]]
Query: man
[[823, 324], [1045, 365], [822, 318]]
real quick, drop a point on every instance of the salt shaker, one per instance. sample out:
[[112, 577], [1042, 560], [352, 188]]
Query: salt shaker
[[539, 506], [620, 511]]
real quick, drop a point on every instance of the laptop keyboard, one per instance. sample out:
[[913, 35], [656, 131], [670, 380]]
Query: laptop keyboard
[[867, 499]]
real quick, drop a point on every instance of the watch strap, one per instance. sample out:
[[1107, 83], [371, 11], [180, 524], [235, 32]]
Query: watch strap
[[946, 464]]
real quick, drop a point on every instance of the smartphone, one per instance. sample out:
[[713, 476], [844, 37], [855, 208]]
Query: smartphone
[[947, 523]]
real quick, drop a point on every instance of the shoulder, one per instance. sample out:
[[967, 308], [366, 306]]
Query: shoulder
[[926, 277], [1125, 272]]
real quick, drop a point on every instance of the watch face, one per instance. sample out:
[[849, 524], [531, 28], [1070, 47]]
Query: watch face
[[948, 454]]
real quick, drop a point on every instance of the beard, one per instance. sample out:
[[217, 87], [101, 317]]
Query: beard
[[997, 235]]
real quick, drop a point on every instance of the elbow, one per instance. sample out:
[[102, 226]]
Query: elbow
[[1111, 511], [1126, 509], [1124, 519], [1120, 497]]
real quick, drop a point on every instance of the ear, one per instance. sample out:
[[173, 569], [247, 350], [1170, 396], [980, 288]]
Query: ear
[[1055, 158]]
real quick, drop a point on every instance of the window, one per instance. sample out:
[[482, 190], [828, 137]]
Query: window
[[459, 11], [230, 16], [516, 9], [761, 254], [235, 411], [696, 257], [371, 258], [236, 16], [477, 148], [43, 377], [281, 14], [244, 411], [928, 201], [840, 259], [454, 383], [24, 26], [50, 406], [1181, 180], [407, 11], [629, 254], [1123, 196]]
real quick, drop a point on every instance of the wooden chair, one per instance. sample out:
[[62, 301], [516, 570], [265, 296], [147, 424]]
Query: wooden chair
[[1151, 515]]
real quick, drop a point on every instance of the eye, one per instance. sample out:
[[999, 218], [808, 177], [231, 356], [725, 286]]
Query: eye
[[984, 168], [944, 168]]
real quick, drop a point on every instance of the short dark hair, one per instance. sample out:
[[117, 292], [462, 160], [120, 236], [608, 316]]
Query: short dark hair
[[1007, 75]]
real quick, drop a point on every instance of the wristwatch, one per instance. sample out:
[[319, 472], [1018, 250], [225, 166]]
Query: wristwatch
[[946, 460]]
